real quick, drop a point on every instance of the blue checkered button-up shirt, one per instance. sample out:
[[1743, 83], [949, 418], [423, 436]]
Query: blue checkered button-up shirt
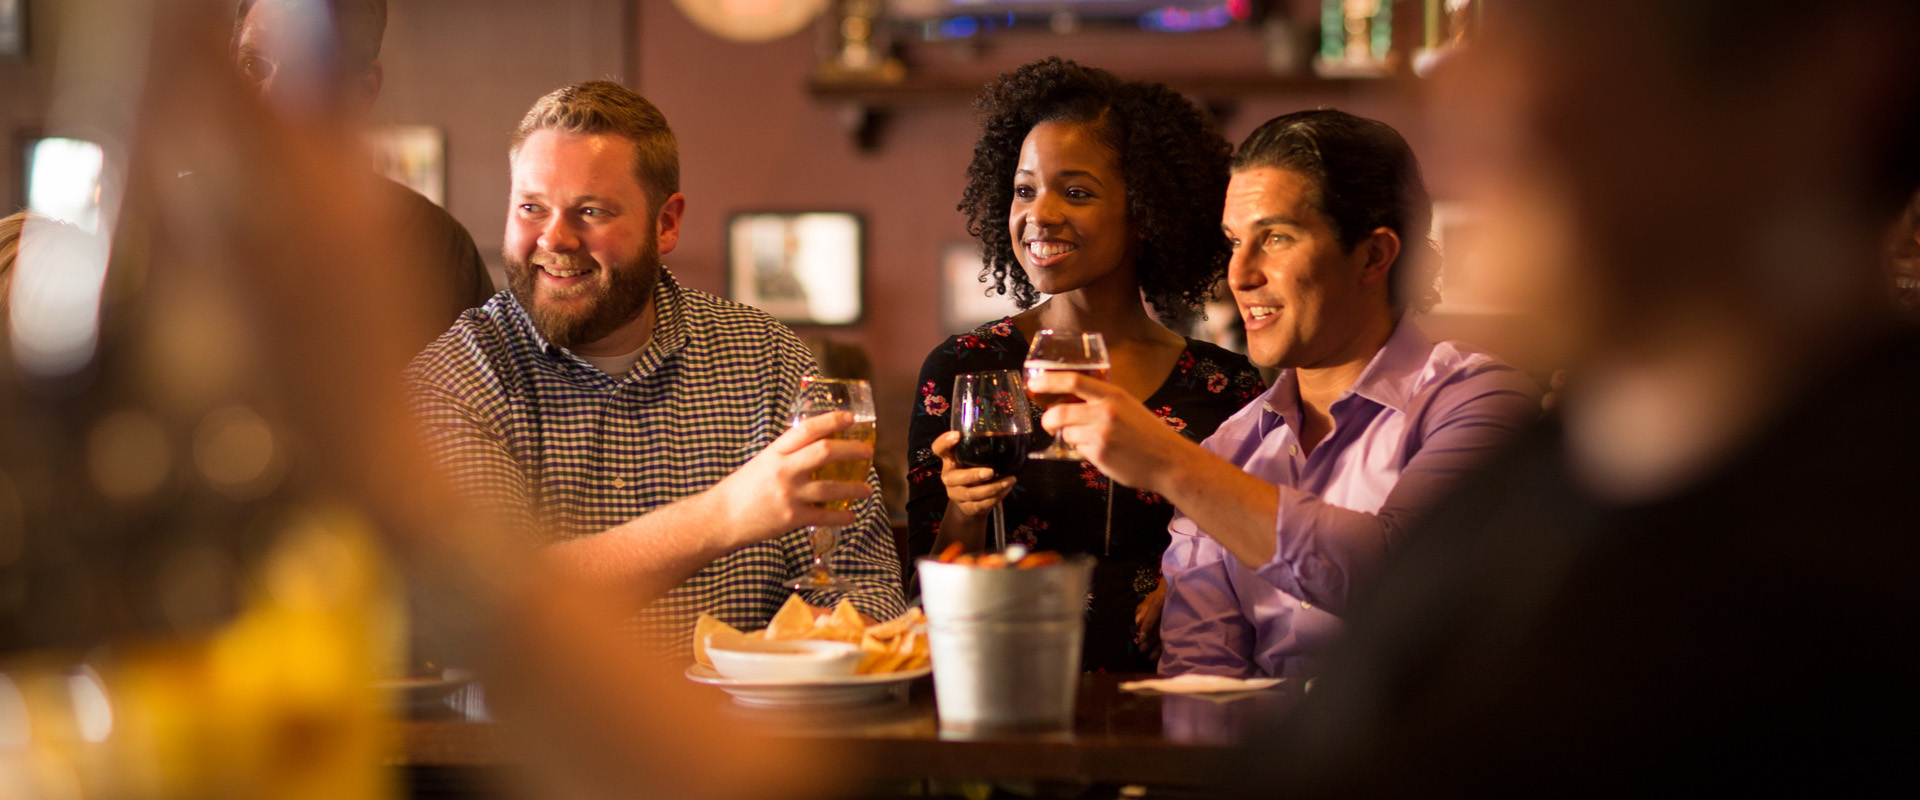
[[535, 434]]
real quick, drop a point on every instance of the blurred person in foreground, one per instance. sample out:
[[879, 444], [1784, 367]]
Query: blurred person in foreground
[[275, 49], [1699, 578], [1287, 512], [637, 429], [1097, 192], [1903, 259], [210, 302]]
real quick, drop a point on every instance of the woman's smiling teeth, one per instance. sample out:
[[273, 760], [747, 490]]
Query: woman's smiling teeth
[[1045, 249], [1261, 312]]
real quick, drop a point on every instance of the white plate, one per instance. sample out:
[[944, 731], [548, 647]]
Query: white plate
[[842, 691]]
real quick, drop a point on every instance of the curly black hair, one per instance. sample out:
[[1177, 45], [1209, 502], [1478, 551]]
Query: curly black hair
[[1172, 158]]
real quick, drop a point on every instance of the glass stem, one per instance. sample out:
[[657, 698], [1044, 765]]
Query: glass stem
[[999, 528]]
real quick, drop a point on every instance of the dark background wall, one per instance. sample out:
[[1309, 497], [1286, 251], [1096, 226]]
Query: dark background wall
[[754, 138]]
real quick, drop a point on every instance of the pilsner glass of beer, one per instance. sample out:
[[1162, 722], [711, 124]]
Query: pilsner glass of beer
[[1055, 351], [825, 396]]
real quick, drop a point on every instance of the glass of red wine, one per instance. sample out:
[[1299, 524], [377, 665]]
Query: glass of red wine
[[990, 412]]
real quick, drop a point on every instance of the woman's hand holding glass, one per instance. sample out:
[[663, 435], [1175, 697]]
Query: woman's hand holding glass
[[974, 490]]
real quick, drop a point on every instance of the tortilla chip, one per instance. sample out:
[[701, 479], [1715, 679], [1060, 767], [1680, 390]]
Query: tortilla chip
[[1044, 558], [898, 625], [871, 652], [794, 620], [902, 652], [843, 625], [915, 650], [703, 627]]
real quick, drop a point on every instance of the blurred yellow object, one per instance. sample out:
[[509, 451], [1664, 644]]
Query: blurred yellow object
[[278, 703]]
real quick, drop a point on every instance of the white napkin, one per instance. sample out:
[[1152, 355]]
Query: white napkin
[[1201, 684]]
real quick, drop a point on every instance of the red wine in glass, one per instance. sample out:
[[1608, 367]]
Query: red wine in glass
[[1002, 451]]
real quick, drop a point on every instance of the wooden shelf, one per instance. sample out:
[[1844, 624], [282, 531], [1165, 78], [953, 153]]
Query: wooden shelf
[[868, 104], [921, 92]]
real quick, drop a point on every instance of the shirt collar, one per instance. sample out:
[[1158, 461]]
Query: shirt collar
[[1388, 379], [669, 328]]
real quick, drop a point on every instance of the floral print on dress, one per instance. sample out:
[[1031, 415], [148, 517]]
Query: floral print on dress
[[1092, 476], [931, 401], [1028, 533], [1165, 413]]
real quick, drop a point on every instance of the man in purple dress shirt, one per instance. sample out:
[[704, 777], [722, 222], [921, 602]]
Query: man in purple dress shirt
[[1290, 507]]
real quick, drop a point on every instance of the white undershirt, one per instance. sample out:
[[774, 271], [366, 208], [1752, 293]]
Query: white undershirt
[[616, 367]]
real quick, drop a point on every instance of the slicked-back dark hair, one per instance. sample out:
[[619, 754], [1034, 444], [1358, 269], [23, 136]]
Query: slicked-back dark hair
[[1366, 177], [358, 27], [1171, 156]]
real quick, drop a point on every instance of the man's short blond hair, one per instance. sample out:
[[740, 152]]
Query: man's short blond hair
[[605, 107]]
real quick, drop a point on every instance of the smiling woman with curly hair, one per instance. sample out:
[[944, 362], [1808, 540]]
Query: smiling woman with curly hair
[[1099, 193]]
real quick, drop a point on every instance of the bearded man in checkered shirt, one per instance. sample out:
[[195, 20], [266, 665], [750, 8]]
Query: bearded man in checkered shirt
[[636, 428]]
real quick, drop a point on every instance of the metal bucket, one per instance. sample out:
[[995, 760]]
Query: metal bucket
[[1006, 643]]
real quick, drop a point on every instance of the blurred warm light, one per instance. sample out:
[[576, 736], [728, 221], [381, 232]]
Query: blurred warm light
[[63, 180], [13, 525], [196, 587], [128, 454], [92, 712], [55, 306], [234, 450], [15, 731]]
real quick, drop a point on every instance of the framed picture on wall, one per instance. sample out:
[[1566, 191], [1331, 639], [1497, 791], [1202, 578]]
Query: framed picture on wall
[[802, 267], [965, 302], [414, 156]]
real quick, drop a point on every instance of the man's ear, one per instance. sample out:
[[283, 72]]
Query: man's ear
[[667, 222], [1376, 255], [363, 89]]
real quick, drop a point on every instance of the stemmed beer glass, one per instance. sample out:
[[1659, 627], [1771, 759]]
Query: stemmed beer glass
[[990, 412], [825, 396], [1058, 351]]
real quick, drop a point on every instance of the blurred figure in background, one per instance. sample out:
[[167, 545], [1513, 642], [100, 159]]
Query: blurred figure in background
[[275, 50], [1286, 513], [1700, 580], [635, 428], [1903, 259]]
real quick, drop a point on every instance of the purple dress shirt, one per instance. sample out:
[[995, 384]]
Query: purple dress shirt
[[1421, 415]]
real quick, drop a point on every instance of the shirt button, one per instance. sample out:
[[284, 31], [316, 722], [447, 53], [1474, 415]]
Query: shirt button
[[1293, 450], [1306, 605], [619, 483]]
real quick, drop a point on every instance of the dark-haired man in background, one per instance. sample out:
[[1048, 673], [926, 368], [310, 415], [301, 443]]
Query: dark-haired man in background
[[321, 58], [1289, 508]]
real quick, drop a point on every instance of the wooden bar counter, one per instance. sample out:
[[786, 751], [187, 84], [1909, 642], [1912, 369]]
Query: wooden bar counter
[[1118, 737]]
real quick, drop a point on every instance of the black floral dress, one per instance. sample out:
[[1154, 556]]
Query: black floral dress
[[1071, 506]]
